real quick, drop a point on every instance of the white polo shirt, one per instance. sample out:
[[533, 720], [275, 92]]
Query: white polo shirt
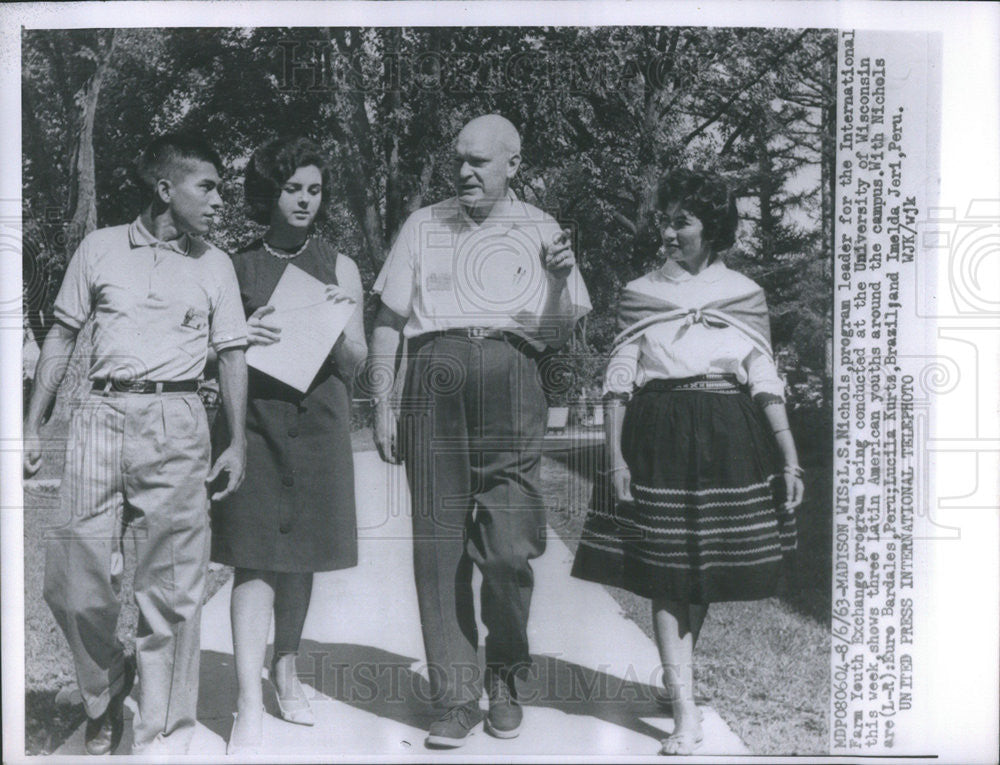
[[446, 271], [156, 305]]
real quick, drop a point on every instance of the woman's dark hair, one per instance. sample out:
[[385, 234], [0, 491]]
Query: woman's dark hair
[[272, 165], [706, 196]]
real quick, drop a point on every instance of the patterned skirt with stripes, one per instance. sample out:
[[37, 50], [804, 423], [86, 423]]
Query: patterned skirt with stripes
[[707, 522]]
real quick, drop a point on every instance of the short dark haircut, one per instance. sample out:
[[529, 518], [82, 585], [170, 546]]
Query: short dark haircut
[[272, 165], [708, 197], [163, 153]]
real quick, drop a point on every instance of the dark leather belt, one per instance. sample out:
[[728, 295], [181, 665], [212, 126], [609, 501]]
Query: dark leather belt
[[483, 333], [144, 386], [476, 332]]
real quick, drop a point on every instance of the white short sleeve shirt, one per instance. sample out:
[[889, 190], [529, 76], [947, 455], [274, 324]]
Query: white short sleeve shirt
[[446, 271], [156, 305]]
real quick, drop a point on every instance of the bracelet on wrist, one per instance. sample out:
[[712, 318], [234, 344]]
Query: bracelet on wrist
[[795, 470]]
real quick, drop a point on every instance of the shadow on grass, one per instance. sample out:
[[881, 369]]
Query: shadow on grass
[[808, 591], [385, 684]]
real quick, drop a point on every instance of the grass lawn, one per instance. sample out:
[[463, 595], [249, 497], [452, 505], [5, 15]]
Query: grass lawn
[[763, 665]]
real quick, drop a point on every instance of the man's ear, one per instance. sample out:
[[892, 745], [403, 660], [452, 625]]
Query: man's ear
[[164, 190], [512, 164]]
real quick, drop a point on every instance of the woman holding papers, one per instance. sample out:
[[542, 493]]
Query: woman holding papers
[[294, 513], [702, 465]]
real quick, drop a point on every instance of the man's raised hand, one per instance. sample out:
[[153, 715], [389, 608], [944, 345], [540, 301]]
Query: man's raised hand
[[557, 255]]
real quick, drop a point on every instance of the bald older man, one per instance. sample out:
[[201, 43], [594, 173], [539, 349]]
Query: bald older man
[[479, 285]]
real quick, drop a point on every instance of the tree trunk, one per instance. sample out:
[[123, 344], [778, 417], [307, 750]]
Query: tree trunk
[[82, 203], [427, 117], [766, 190], [650, 156], [828, 190], [393, 100], [36, 270], [416, 200], [828, 159], [82, 207], [357, 154]]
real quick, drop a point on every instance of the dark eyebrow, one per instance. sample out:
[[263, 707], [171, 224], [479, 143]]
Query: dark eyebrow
[[681, 216]]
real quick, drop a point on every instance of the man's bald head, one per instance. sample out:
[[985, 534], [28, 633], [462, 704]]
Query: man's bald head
[[487, 155], [496, 128]]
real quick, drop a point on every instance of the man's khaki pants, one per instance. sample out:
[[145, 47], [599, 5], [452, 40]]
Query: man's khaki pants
[[136, 461]]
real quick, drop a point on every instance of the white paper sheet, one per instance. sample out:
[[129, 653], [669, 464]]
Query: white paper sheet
[[310, 325]]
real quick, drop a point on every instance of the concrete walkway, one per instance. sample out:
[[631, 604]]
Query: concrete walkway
[[592, 694]]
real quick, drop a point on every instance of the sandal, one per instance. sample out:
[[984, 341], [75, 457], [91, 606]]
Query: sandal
[[680, 744]]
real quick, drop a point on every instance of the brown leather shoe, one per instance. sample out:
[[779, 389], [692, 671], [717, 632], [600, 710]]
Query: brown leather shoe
[[505, 715], [103, 734], [454, 726]]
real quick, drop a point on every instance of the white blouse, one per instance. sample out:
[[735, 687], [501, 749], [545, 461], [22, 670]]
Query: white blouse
[[681, 348]]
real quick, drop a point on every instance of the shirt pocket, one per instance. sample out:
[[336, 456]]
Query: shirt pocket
[[193, 319]]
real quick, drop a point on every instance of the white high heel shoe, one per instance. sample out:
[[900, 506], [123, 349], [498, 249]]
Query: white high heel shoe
[[300, 715]]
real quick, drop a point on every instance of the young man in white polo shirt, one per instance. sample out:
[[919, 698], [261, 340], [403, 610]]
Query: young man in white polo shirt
[[479, 284], [138, 452]]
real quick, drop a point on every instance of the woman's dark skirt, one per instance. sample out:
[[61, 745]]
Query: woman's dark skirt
[[707, 522]]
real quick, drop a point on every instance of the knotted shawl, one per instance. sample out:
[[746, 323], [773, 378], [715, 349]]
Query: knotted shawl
[[730, 301]]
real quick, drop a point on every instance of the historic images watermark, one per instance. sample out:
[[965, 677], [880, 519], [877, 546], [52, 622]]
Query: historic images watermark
[[318, 66]]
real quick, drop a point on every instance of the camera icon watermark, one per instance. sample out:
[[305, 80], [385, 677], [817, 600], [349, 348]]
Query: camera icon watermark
[[968, 248]]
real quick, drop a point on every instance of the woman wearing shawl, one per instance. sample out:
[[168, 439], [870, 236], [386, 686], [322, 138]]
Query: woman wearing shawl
[[702, 465]]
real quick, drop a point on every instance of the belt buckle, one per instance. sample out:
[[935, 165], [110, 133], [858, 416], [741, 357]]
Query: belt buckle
[[135, 386]]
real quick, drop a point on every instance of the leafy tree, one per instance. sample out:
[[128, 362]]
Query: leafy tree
[[63, 82], [602, 113]]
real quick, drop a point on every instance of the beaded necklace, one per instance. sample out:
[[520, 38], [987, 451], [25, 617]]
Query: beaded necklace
[[286, 255]]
